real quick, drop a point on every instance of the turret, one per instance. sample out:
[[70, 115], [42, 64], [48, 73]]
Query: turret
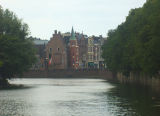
[[72, 35]]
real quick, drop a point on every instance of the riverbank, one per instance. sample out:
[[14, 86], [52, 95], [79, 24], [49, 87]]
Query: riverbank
[[11, 86], [140, 79], [67, 74], [4, 84], [136, 79]]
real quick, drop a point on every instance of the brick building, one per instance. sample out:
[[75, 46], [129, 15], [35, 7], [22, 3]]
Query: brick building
[[73, 51], [56, 52], [82, 43]]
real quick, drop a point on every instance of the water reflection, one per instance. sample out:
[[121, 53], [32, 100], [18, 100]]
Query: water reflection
[[137, 100], [76, 97]]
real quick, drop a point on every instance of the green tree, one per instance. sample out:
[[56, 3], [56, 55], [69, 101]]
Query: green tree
[[134, 46], [17, 53]]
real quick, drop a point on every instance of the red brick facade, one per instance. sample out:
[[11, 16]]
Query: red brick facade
[[56, 52], [74, 54]]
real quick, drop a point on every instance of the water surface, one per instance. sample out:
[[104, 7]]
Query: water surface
[[76, 97]]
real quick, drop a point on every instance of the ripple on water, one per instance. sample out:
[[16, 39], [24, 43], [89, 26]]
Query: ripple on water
[[70, 97]]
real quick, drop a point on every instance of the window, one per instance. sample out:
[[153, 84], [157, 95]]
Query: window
[[90, 41], [89, 57], [50, 50], [58, 49]]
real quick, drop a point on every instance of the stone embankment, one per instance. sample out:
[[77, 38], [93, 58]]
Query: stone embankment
[[68, 74], [152, 82], [140, 79]]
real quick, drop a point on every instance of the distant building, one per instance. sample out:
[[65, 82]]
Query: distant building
[[73, 51], [94, 56], [102, 64], [40, 46], [66, 37], [82, 43], [70, 51], [56, 52], [90, 55]]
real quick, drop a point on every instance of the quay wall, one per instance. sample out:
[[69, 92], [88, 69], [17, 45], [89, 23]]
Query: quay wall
[[68, 74], [141, 79]]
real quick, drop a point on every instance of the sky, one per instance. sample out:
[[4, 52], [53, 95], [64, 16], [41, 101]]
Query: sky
[[92, 17]]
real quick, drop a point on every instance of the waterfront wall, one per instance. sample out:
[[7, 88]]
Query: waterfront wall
[[140, 79], [68, 74]]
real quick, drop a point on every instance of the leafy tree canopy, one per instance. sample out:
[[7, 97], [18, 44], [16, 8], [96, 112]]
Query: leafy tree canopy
[[17, 53], [135, 44]]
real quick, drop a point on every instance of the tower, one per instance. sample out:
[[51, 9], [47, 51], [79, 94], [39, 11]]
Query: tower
[[74, 51]]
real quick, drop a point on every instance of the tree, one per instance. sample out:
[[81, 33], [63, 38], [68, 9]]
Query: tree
[[134, 46], [17, 53]]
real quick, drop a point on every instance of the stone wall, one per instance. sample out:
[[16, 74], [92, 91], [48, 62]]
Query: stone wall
[[69, 74], [141, 79]]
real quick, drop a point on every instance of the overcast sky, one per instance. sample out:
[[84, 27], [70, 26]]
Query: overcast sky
[[93, 17]]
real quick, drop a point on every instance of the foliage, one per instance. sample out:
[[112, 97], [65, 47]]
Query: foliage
[[1, 63], [135, 44], [17, 53]]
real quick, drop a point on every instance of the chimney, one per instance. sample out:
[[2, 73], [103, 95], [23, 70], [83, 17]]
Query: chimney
[[55, 32], [59, 32]]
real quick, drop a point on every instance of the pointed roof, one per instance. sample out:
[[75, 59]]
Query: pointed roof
[[72, 35]]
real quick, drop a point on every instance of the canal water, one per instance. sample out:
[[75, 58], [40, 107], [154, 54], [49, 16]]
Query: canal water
[[77, 97]]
